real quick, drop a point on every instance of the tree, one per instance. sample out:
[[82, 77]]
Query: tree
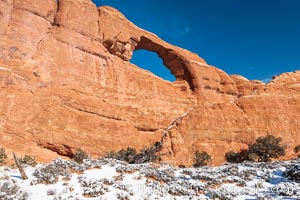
[[265, 148]]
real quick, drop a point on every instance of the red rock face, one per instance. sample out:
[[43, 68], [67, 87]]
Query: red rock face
[[66, 83]]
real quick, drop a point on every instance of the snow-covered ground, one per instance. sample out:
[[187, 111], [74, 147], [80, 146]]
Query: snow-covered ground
[[111, 179]]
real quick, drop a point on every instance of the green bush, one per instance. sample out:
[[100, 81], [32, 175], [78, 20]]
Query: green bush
[[265, 148], [79, 156], [3, 156], [201, 159], [236, 157], [28, 160], [297, 149]]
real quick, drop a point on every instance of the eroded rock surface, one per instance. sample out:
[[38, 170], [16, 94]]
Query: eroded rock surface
[[66, 83]]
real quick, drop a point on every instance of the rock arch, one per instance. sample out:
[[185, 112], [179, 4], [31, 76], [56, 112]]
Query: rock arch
[[175, 63], [122, 37]]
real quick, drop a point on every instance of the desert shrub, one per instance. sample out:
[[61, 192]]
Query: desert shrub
[[177, 188], [236, 157], [123, 196], [166, 174], [293, 173], [130, 155], [201, 159], [265, 148], [287, 189], [79, 156], [10, 190], [297, 149], [124, 154], [3, 156], [51, 192], [262, 150], [128, 168], [127, 154], [231, 156], [49, 174], [111, 154], [91, 187], [149, 154], [28, 160]]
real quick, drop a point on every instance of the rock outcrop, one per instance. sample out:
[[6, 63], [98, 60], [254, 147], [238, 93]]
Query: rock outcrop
[[66, 83]]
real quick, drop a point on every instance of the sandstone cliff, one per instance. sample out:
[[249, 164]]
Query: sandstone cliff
[[66, 82]]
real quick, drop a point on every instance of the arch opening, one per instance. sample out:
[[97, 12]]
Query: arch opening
[[170, 59], [150, 61]]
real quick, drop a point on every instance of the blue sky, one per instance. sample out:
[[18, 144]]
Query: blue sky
[[253, 38]]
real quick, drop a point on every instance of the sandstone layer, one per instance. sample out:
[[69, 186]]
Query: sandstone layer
[[67, 82]]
